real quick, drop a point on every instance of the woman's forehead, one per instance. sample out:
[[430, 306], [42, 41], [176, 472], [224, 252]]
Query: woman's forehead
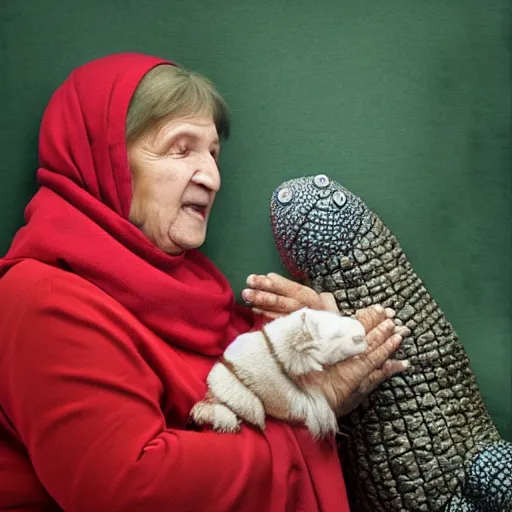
[[201, 127]]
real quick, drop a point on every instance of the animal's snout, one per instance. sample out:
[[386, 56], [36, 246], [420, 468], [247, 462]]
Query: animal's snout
[[358, 339], [329, 198]]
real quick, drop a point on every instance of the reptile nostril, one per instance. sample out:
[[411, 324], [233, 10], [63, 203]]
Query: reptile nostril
[[339, 198]]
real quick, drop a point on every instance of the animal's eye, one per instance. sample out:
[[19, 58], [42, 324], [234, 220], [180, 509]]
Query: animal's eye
[[321, 181], [339, 198], [285, 195]]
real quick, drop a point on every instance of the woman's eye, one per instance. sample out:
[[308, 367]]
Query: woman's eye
[[179, 151]]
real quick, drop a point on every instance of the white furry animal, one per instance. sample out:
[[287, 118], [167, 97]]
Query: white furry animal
[[260, 373]]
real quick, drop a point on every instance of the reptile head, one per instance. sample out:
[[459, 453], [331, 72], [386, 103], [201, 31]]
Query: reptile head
[[314, 218]]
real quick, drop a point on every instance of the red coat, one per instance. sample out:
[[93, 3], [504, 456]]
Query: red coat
[[106, 342], [94, 410]]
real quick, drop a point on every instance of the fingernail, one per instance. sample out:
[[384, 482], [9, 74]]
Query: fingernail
[[246, 295], [378, 308], [403, 331], [390, 313], [389, 323], [249, 279], [405, 364]]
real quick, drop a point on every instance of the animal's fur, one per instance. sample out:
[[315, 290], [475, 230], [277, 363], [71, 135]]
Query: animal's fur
[[261, 373]]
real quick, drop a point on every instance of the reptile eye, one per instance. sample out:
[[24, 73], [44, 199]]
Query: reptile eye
[[285, 195], [339, 198], [321, 181]]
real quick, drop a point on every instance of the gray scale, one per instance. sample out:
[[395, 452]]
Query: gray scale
[[423, 441]]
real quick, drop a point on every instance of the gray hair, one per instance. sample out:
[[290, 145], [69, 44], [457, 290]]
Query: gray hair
[[168, 92]]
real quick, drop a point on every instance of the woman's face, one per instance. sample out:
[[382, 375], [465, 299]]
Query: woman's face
[[175, 178]]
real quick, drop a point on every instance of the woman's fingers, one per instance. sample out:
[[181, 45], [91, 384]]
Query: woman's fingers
[[277, 294], [268, 314], [328, 302], [378, 376], [360, 367], [270, 302], [279, 285], [351, 400], [371, 316], [273, 295], [380, 333], [380, 354]]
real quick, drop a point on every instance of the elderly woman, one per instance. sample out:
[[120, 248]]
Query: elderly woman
[[110, 318]]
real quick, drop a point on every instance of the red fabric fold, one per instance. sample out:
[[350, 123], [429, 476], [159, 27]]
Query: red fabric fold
[[78, 218], [87, 357]]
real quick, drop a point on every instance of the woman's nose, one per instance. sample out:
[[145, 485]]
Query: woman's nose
[[207, 174]]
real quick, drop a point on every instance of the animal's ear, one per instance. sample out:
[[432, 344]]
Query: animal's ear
[[304, 360], [307, 318], [307, 353]]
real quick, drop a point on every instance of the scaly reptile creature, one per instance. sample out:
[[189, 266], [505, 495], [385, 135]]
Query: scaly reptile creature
[[423, 440]]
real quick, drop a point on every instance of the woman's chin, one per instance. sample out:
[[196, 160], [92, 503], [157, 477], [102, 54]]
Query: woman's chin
[[177, 245]]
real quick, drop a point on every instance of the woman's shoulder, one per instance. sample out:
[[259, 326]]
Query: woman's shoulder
[[31, 273], [31, 285], [27, 273], [40, 301]]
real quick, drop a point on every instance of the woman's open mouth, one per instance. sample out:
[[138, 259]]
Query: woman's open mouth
[[196, 210]]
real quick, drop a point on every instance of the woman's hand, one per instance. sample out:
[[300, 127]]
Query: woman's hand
[[273, 295], [346, 384], [349, 382]]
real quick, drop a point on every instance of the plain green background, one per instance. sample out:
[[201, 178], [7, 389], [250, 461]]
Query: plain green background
[[405, 102]]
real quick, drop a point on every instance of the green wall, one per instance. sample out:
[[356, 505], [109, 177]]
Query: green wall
[[405, 102]]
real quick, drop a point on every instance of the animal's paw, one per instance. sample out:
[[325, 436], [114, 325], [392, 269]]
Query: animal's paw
[[236, 397], [218, 416], [319, 418]]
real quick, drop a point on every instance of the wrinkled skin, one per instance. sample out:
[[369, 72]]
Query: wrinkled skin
[[175, 179], [351, 380], [415, 442]]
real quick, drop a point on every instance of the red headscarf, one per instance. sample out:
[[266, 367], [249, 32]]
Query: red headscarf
[[78, 218]]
